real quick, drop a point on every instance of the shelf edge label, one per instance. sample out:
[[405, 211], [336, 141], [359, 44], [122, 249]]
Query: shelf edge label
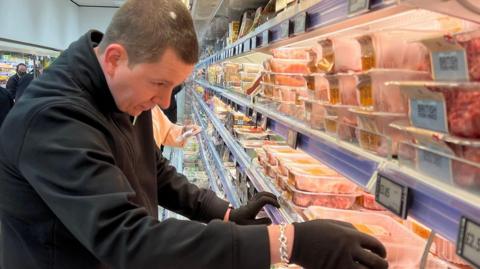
[[292, 138], [358, 6], [392, 195], [300, 23], [468, 243]]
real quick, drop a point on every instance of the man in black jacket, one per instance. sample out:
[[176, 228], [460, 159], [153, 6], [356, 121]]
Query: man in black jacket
[[6, 103], [80, 180], [12, 83]]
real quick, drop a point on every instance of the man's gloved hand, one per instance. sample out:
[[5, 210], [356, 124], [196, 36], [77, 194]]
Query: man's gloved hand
[[332, 244], [245, 215]]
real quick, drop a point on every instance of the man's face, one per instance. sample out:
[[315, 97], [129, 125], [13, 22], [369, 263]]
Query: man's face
[[22, 69], [146, 85]]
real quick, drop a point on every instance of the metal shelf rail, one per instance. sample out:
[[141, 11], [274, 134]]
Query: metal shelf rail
[[227, 186]]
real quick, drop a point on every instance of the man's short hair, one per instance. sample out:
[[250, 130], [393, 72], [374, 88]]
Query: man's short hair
[[146, 28], [20, 64]]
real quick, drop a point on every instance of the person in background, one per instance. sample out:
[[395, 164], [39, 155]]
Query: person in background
[[81, 178], [171, 111], [25, 81], [6, 103], [169, 134], [12, 83]]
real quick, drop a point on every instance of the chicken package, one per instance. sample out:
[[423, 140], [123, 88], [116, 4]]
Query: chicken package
[[447, 250], [319, 178], [471, 43], [345, 119], [379, 123], [314, 114], [289, 80], [347, 53], [293, 160], [301, 53], [288, 66], [319, 85], [273, 150], [388, 50], [251, 68], [342, 89], [374, 93], [404, 248], [334, 200]]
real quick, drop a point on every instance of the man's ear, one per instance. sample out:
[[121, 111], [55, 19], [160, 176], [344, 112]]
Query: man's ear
[[114, 56]]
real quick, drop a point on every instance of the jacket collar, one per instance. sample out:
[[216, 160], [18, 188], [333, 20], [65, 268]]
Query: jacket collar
[[87, 72]]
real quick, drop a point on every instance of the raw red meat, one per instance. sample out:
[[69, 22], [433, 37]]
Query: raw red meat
[[286, 80], [370, 203], [463, 111], [472, 48]]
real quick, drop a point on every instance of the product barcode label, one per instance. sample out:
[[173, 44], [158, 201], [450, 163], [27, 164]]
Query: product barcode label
[[299, 23], [450, 65], [429, 114], [254, 42], [292, 138], [284, 29], [435, 165], [468, 243]]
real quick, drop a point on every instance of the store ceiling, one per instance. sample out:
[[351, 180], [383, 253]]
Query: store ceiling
[[99, 3]]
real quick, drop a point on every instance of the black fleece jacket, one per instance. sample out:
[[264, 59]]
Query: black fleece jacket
[[80, 185]]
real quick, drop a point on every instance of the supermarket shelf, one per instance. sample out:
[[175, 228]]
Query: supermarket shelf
[[435, 204], [227, 186], [258, 180], [465, 9]]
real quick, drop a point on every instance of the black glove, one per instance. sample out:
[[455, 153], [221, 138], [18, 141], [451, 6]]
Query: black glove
[[245, 215], [332, 244]]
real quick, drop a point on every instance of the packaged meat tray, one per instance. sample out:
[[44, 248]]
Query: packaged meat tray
[[292, 160], [318, 84], [331, 125], [314, 114], [292, 109], [447, 250], [471, 43], [434, 262], [273, 150], [404, 248], [342, 90], [379, 123], [251, 68], [368, 202], [347, 53], [290, 66], [301, 53], [442, 166], [346, 121], [306, 199], [288, 80], [452, 159], [391, 50], [374, 142], [251, 133], [462, 101], [373, 93], [248, 77], [319, 179], [326, 56]]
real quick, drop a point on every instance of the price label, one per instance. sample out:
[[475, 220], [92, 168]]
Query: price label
[[357, 6], [450, 65], [264, 122], [429, 114], [265, 37], [292, 138], [240, 48], [246, 46], [254, 42], [299, 23], [392, 195], [435, 165], [468, 243], [249, 112], [284, 29]]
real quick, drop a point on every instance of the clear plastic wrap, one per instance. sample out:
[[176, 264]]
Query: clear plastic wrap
[[374, 94], [306, 199], [302, 53], [319, 179], [404, 248], [314, 114], [290, 66]]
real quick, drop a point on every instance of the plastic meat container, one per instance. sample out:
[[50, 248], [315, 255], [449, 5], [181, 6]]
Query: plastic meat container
[[314, 114], [306, 199], [319, 179], [248, 77], [251, 133], [446, 250], [388, 50], [273, 150], [292, 109], [251, 68], [302, 53], [331, 125], [374, 94], [347, 53], [434, 262], [291, 66], [295, 160], [288, 80], [379, 123], [471, 43], [326, 56], [404, 248], [463, 107], [318, 84], [368, 202], [342, 90]]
